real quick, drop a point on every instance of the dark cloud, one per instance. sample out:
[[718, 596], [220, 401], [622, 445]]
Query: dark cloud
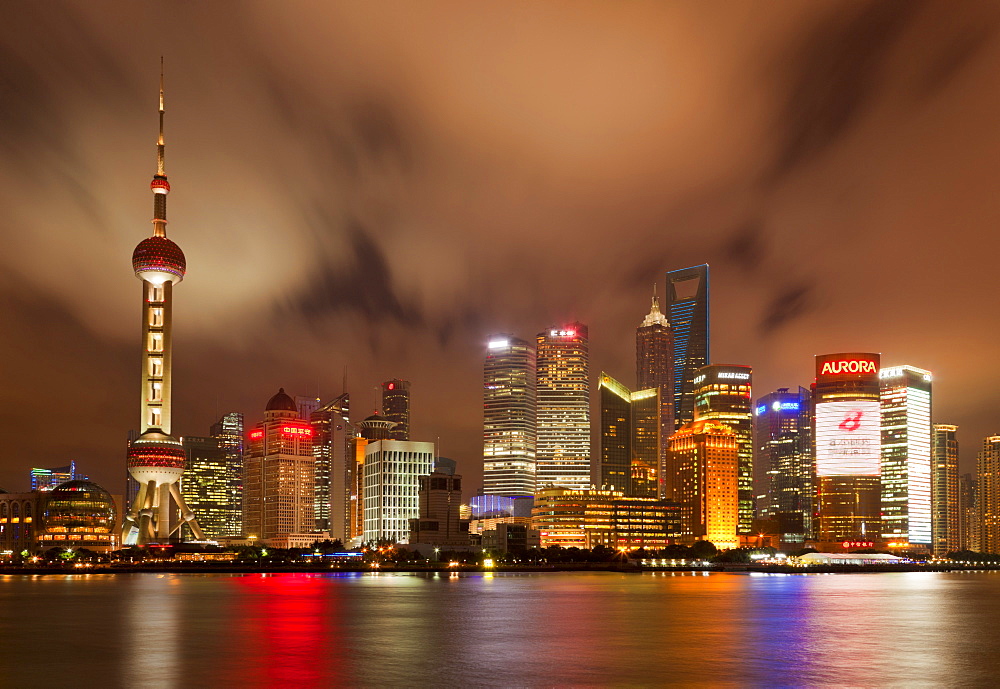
[[948, 59], [789, 303], [834, 73], [381, 190], [361, 281], [746, 248]]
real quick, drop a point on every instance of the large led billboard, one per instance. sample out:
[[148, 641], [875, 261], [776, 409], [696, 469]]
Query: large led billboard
[[848, 438]]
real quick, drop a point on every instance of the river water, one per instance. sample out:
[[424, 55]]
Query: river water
[[500, 630]]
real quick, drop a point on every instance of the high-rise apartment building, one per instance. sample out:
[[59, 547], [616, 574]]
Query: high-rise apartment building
[[630, 439], [783, 438], [391, 484], [687, 312], [945, 505], [848, 441], [988, 495], [333, 434], [654, 349], [968, 512], [563, 407], [229, 432], [509, 408], [396, 406], [706, 456], [723, 393], [905, 394], [279, 473], [207, 484]]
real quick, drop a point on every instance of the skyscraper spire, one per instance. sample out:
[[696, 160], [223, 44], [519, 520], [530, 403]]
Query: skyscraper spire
[[655, 316]]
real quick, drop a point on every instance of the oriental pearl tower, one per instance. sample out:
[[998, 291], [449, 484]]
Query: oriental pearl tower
[[156, 458]]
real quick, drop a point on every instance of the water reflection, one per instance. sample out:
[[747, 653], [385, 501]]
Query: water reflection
[[288, 632], [152, 631], [499, 629]]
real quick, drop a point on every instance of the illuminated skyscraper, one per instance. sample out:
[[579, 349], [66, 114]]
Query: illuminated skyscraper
[[945, 490], [156, 459], [630, 438], [207, 484], [687, 311], [706, 484], [988, 495], [848, 441], [279, 473], [47, 479], [333, 436], [905, 393], [509, 399], [783, 437], [391, 484], [563, 407], [654, 348], [229, 432], [396, 406], [722, 393]]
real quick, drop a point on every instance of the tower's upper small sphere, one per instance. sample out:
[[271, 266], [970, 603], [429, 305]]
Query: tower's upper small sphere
[[158, 260], [160, 185]]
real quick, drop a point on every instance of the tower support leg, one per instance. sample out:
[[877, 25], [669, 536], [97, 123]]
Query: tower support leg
[[187, 515]]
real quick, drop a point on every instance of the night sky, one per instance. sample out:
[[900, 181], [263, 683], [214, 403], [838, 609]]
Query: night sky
[[381, 185]]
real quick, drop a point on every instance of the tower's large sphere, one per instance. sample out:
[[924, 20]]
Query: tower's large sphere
[[156, 456], [159, 260]]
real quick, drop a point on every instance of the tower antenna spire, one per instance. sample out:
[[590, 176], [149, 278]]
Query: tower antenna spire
[[160, 186], [159, 141]]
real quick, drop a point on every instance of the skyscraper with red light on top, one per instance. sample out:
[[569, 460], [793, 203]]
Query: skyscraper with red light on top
[[279, 473]]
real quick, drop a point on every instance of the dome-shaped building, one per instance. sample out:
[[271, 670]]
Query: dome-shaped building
[[281, 402], [78, 514]]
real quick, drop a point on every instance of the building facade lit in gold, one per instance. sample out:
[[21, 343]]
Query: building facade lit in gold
[[705, 454], [723, 393], [563, 407], [586, 518]]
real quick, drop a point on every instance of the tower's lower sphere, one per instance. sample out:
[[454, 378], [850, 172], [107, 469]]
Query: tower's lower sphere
[[156, 456]]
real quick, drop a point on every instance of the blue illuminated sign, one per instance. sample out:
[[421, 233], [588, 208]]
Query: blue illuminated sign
[[761, 409]]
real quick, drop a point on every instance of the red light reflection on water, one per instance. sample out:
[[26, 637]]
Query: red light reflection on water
[[289, 632]]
